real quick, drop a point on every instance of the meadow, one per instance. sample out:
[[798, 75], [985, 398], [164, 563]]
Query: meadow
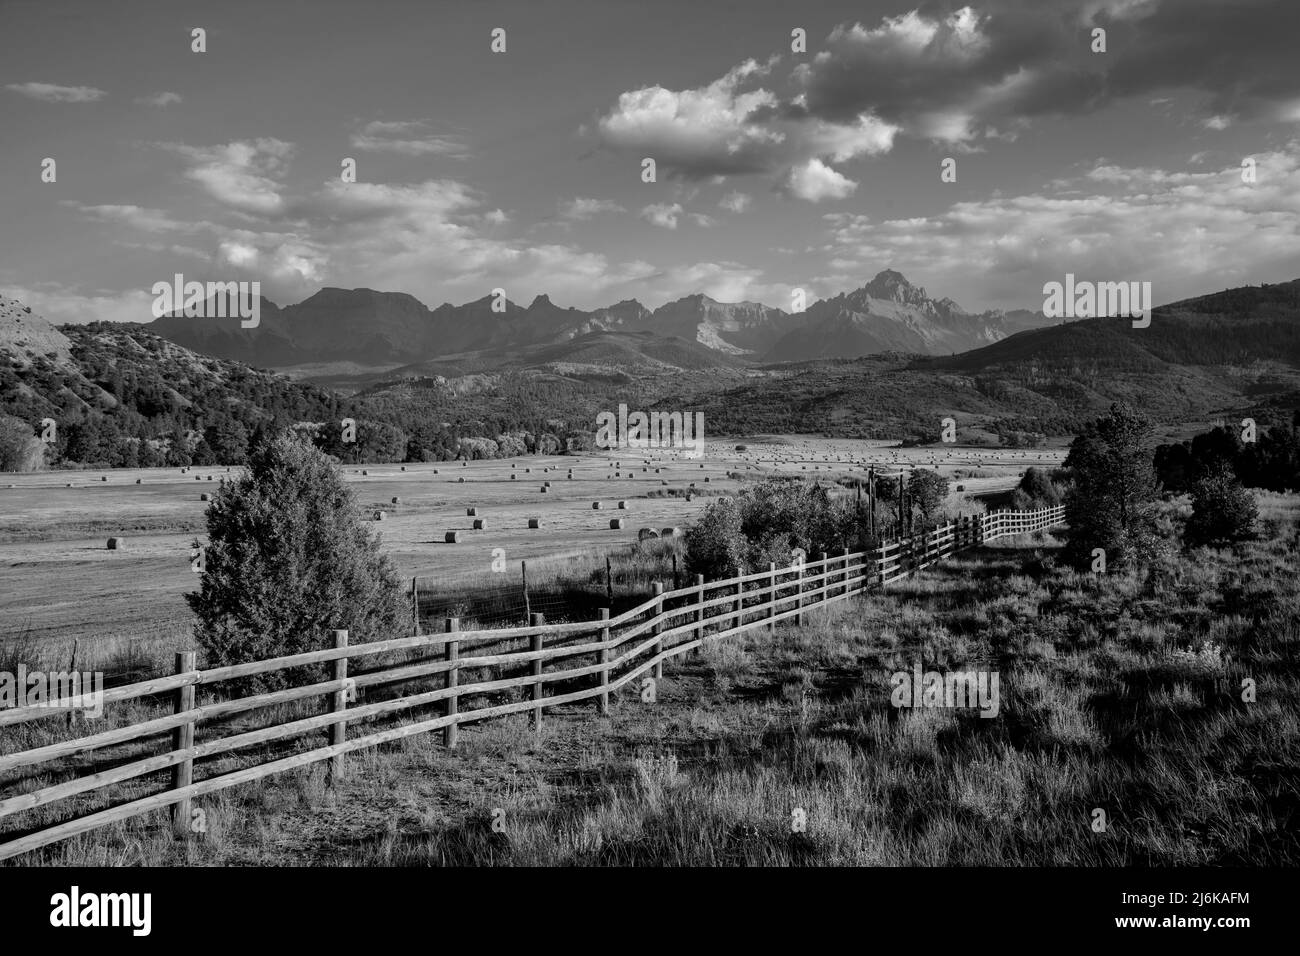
[[1121, 693]]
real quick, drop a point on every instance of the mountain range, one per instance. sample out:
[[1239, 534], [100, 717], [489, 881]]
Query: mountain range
[[382, 329]]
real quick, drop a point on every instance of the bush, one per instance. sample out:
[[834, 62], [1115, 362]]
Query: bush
[[927, 490], [715, 546], [288, 562], [1037, 489], [1222, 509], [1111, 504], [764, 524]]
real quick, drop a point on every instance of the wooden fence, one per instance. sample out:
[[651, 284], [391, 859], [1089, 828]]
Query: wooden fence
[[561, 664]]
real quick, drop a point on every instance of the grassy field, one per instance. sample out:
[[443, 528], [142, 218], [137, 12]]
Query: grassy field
[[58, 582], [1119, 692]]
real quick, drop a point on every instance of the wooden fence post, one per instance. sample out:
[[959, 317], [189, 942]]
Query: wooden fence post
[[602, 658], [415, 606], [659, 626], [182, 739], [823, 592], [844, 553], [798, 617], [771, 597], [339, 731], [451, 733], [536, 620], [523, 577], [699, 631]]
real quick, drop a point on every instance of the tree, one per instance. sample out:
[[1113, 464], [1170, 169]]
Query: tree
[[1036, 490], [20, 449], [927, 490], [288, 562], [715, 545], [1110, 505], [1222, 509]]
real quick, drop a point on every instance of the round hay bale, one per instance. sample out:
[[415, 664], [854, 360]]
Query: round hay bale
[[198, 477], [209, 477], [453, 537], [105, 477], [622, 505], [464, 464], [707, 480], [616, 523], [137, 481], [205, 497], [365, 472], [528, 471], [460, 480], [647, 534], [596, 505], [116, 544], [380, 515], [670, 533], [513, 465], [396, 499], [663, 481], [545, 490], [547, 484], [471, 512], [534, 522], [435, 471], [68, 485], [480, 524], [513, 477], [961, 487], [403, 468]]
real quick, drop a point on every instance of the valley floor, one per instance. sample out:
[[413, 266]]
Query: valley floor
[[1120, 694]]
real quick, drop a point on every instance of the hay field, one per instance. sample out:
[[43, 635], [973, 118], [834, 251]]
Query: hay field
[[59, 582]]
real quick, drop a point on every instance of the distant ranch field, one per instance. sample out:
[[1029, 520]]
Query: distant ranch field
[[59, 581]]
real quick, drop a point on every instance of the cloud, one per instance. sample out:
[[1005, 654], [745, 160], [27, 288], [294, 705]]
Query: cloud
[[408, 138], [137, 217], [982, 72], [68, 304], [51, 93], [579, 209], [728, 129], [662, 214], [242, 175], [735, 202], [159, 99], [815, 181], [711, 131], [1183, 231]]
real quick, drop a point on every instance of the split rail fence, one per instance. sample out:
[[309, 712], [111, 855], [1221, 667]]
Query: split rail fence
[[561, 664]]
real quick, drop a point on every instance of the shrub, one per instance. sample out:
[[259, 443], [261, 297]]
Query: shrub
[[715, 546], [1222, 509], [1111, 504], [288, 562], [1038, 490], [927, 491]]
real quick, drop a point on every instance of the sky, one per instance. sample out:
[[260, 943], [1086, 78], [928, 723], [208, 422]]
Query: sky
[[776, 169]]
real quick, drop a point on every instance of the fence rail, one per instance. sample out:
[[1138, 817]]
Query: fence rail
[[619, 649]]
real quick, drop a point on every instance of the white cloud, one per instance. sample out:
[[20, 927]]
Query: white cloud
[[580, 208], [51, 93], [662, 214], [735, 202], [159, 99], [242, 175], [407, 137], [815, 181]]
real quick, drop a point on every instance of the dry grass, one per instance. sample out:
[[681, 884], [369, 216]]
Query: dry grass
[[1120, 693]]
